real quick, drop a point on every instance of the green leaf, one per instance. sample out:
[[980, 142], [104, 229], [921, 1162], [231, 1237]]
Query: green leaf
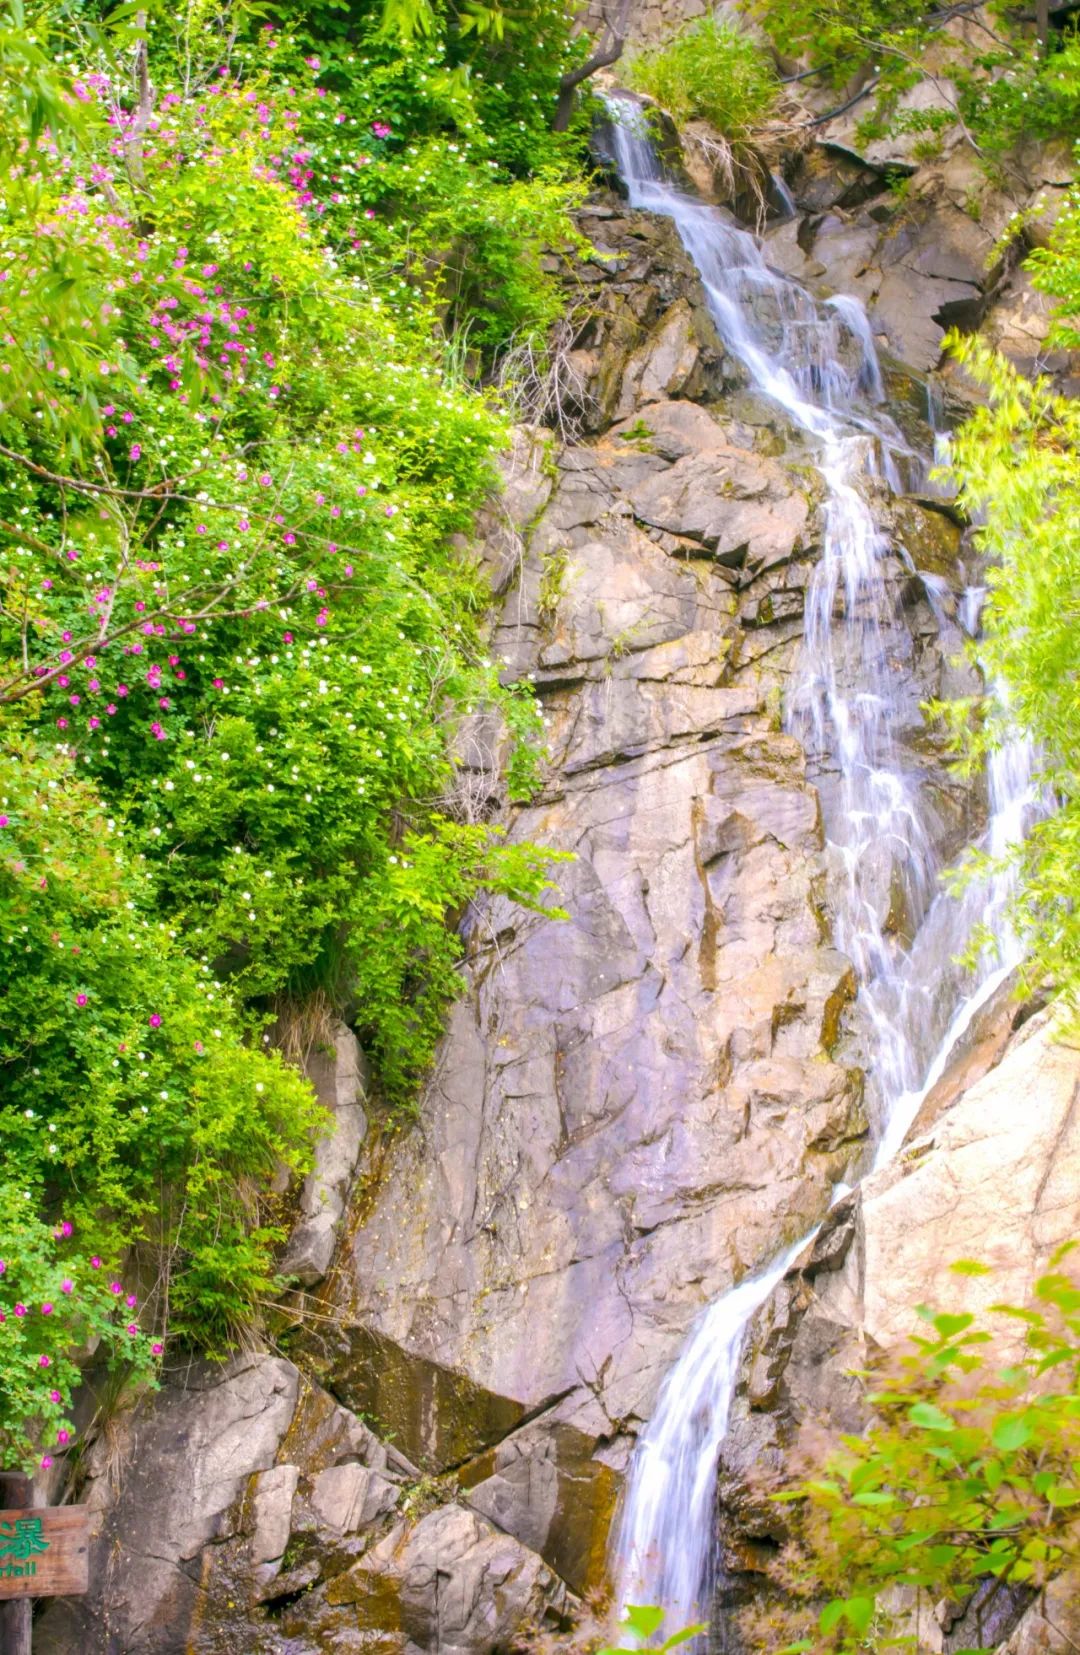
[[831, 1616], [1011, 1433], [931, 1418], [643, 1619], [683, 1637], [860, 1612]]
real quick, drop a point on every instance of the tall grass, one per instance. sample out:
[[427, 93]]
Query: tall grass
[[709, 70]]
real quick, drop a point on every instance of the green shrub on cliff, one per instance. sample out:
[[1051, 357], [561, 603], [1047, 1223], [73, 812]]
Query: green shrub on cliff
[[966, 1481], [709, 70], [240, 624], [1017, 463]]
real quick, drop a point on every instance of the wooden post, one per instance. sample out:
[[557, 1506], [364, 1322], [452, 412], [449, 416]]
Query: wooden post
[[16, 1493]]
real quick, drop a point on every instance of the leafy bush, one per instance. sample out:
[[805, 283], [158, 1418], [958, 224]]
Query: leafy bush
[[133, 1106], [966, 1476], [1016, 460], [59, 1300], [709, 70], [1022, 93], [1019, 89], [240, 622]]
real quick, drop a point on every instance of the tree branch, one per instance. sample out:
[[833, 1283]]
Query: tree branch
[[608, 51]]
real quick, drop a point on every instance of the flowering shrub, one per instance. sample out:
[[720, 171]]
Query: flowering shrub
[[132, 1104], [239, 622], [55, 1301]]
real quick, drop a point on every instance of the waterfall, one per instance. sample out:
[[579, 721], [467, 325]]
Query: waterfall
[[818, 362]]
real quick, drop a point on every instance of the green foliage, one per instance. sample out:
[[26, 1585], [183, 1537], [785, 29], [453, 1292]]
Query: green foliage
[[1056, 270], [841, 36], [1017, 89], [640, 1624], [967, 1474], [710, 70], [1016, 461], [133, 1106], [240, 626], [1022, 92], [59, 1299]]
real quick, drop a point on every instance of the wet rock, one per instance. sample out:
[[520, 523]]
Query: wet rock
[[546, 1486], [435, 1414], [938, 1201], [740, 507]]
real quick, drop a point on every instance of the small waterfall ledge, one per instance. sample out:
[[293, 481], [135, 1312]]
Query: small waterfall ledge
[[844, 704]]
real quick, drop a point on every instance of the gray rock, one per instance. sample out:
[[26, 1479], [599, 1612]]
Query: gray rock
[[186, 1456], [351, 1497], [740, 507], [452, 1584], [338, 1078], [272, 1503]]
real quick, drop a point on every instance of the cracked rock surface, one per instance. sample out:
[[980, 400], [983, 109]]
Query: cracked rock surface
[[634, 1106]]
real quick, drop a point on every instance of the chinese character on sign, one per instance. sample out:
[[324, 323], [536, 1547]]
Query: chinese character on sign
[[21, 1540]]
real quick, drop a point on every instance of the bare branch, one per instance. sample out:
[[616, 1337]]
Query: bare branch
[[608, 51]]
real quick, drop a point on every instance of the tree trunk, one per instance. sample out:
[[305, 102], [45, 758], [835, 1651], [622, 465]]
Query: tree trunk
[[16, 1614]]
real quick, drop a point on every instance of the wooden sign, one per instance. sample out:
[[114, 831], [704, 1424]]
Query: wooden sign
[[44, 1551]]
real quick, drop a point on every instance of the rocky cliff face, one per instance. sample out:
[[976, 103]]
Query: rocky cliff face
[[634, 1107]]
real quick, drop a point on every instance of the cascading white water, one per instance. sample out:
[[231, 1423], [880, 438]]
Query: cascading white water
[[818, 362]]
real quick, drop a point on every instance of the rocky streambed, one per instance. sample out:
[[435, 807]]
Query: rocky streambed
[[635, 1107]]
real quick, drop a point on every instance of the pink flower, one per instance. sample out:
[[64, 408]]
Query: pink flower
[[157, 1349], [155, 1020], [65, 1228], [63, 1436], [121, 689], [46, 1462], [44, 1361], [3, 821], [46, 1309], [81, 999], [265, 479], [111, 709], [131, 1301], [219, 683], [114, 1287], [133, 1328], [54, 1396], [20, 1310], [95, 1263], [287, 637], [136, 451], [67, 1285]]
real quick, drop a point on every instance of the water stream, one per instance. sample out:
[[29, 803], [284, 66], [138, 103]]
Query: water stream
[[818, 362]]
